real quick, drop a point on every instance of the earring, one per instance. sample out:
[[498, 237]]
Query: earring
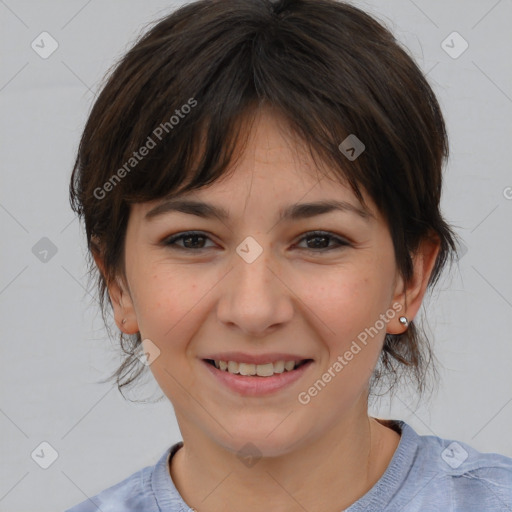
[[403, 320], [123, 321]]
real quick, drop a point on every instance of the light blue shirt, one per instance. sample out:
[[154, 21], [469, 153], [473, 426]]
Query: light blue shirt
[[426, 474]]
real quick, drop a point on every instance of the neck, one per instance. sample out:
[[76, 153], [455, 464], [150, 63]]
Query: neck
[[324, 474]]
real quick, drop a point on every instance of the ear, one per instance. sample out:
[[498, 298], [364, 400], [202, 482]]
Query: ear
[[122, 304], [410, 295]]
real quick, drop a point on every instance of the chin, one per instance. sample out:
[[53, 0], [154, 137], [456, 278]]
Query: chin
[[262, 441]]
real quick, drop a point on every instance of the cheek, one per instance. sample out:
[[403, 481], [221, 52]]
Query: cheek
[[164, 299], [348, 309], [168, 308], [346, 312], [346, 301], [172, 303]]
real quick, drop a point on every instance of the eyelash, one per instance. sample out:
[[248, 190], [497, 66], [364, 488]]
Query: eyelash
[[171, 241]]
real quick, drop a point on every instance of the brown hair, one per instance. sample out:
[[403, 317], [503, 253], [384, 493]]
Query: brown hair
[[183, 90]]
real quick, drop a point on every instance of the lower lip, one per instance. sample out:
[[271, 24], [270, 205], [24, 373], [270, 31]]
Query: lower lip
[[257, 386]]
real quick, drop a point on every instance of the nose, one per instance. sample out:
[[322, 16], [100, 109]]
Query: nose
[[255, 298]]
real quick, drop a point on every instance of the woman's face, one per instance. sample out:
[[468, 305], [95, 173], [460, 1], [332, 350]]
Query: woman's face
[[255, 284]]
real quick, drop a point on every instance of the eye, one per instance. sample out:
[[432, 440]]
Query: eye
[[195, 241], [192, 240], [321, 241]]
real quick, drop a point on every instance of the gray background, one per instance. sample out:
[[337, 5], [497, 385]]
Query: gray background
[[54, 347]]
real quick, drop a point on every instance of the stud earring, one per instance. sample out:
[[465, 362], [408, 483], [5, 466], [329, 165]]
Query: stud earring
[[403, 320], [123, 321]]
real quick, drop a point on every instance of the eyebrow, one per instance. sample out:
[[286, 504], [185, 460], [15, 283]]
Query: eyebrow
[[293, 212]]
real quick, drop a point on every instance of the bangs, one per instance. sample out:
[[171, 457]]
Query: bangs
[[197, 140]]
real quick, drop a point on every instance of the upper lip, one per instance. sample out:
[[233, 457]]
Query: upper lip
[[241, 357]]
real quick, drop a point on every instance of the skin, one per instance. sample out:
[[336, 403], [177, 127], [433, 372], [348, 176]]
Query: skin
[[322, 456]]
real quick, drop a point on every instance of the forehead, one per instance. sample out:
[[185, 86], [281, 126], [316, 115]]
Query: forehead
[[274, 170]]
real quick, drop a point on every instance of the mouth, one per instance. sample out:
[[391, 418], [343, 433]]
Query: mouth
[[257, 370], [256, 380]]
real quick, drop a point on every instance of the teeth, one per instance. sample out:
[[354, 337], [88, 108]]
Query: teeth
[[265, 370], [289, 365], [246, 369], [262, 370], [279, 366]]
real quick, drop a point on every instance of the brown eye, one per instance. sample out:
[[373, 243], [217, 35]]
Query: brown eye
[[319, 241], [192, 240]]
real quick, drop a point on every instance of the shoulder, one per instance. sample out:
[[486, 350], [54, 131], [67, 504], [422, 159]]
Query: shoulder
[[456, 475], [133, 493], [137, 492]]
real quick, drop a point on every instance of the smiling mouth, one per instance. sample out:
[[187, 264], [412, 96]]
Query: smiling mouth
[[257, 370]]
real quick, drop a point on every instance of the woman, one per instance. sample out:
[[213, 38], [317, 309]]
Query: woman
[[260, 184]]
